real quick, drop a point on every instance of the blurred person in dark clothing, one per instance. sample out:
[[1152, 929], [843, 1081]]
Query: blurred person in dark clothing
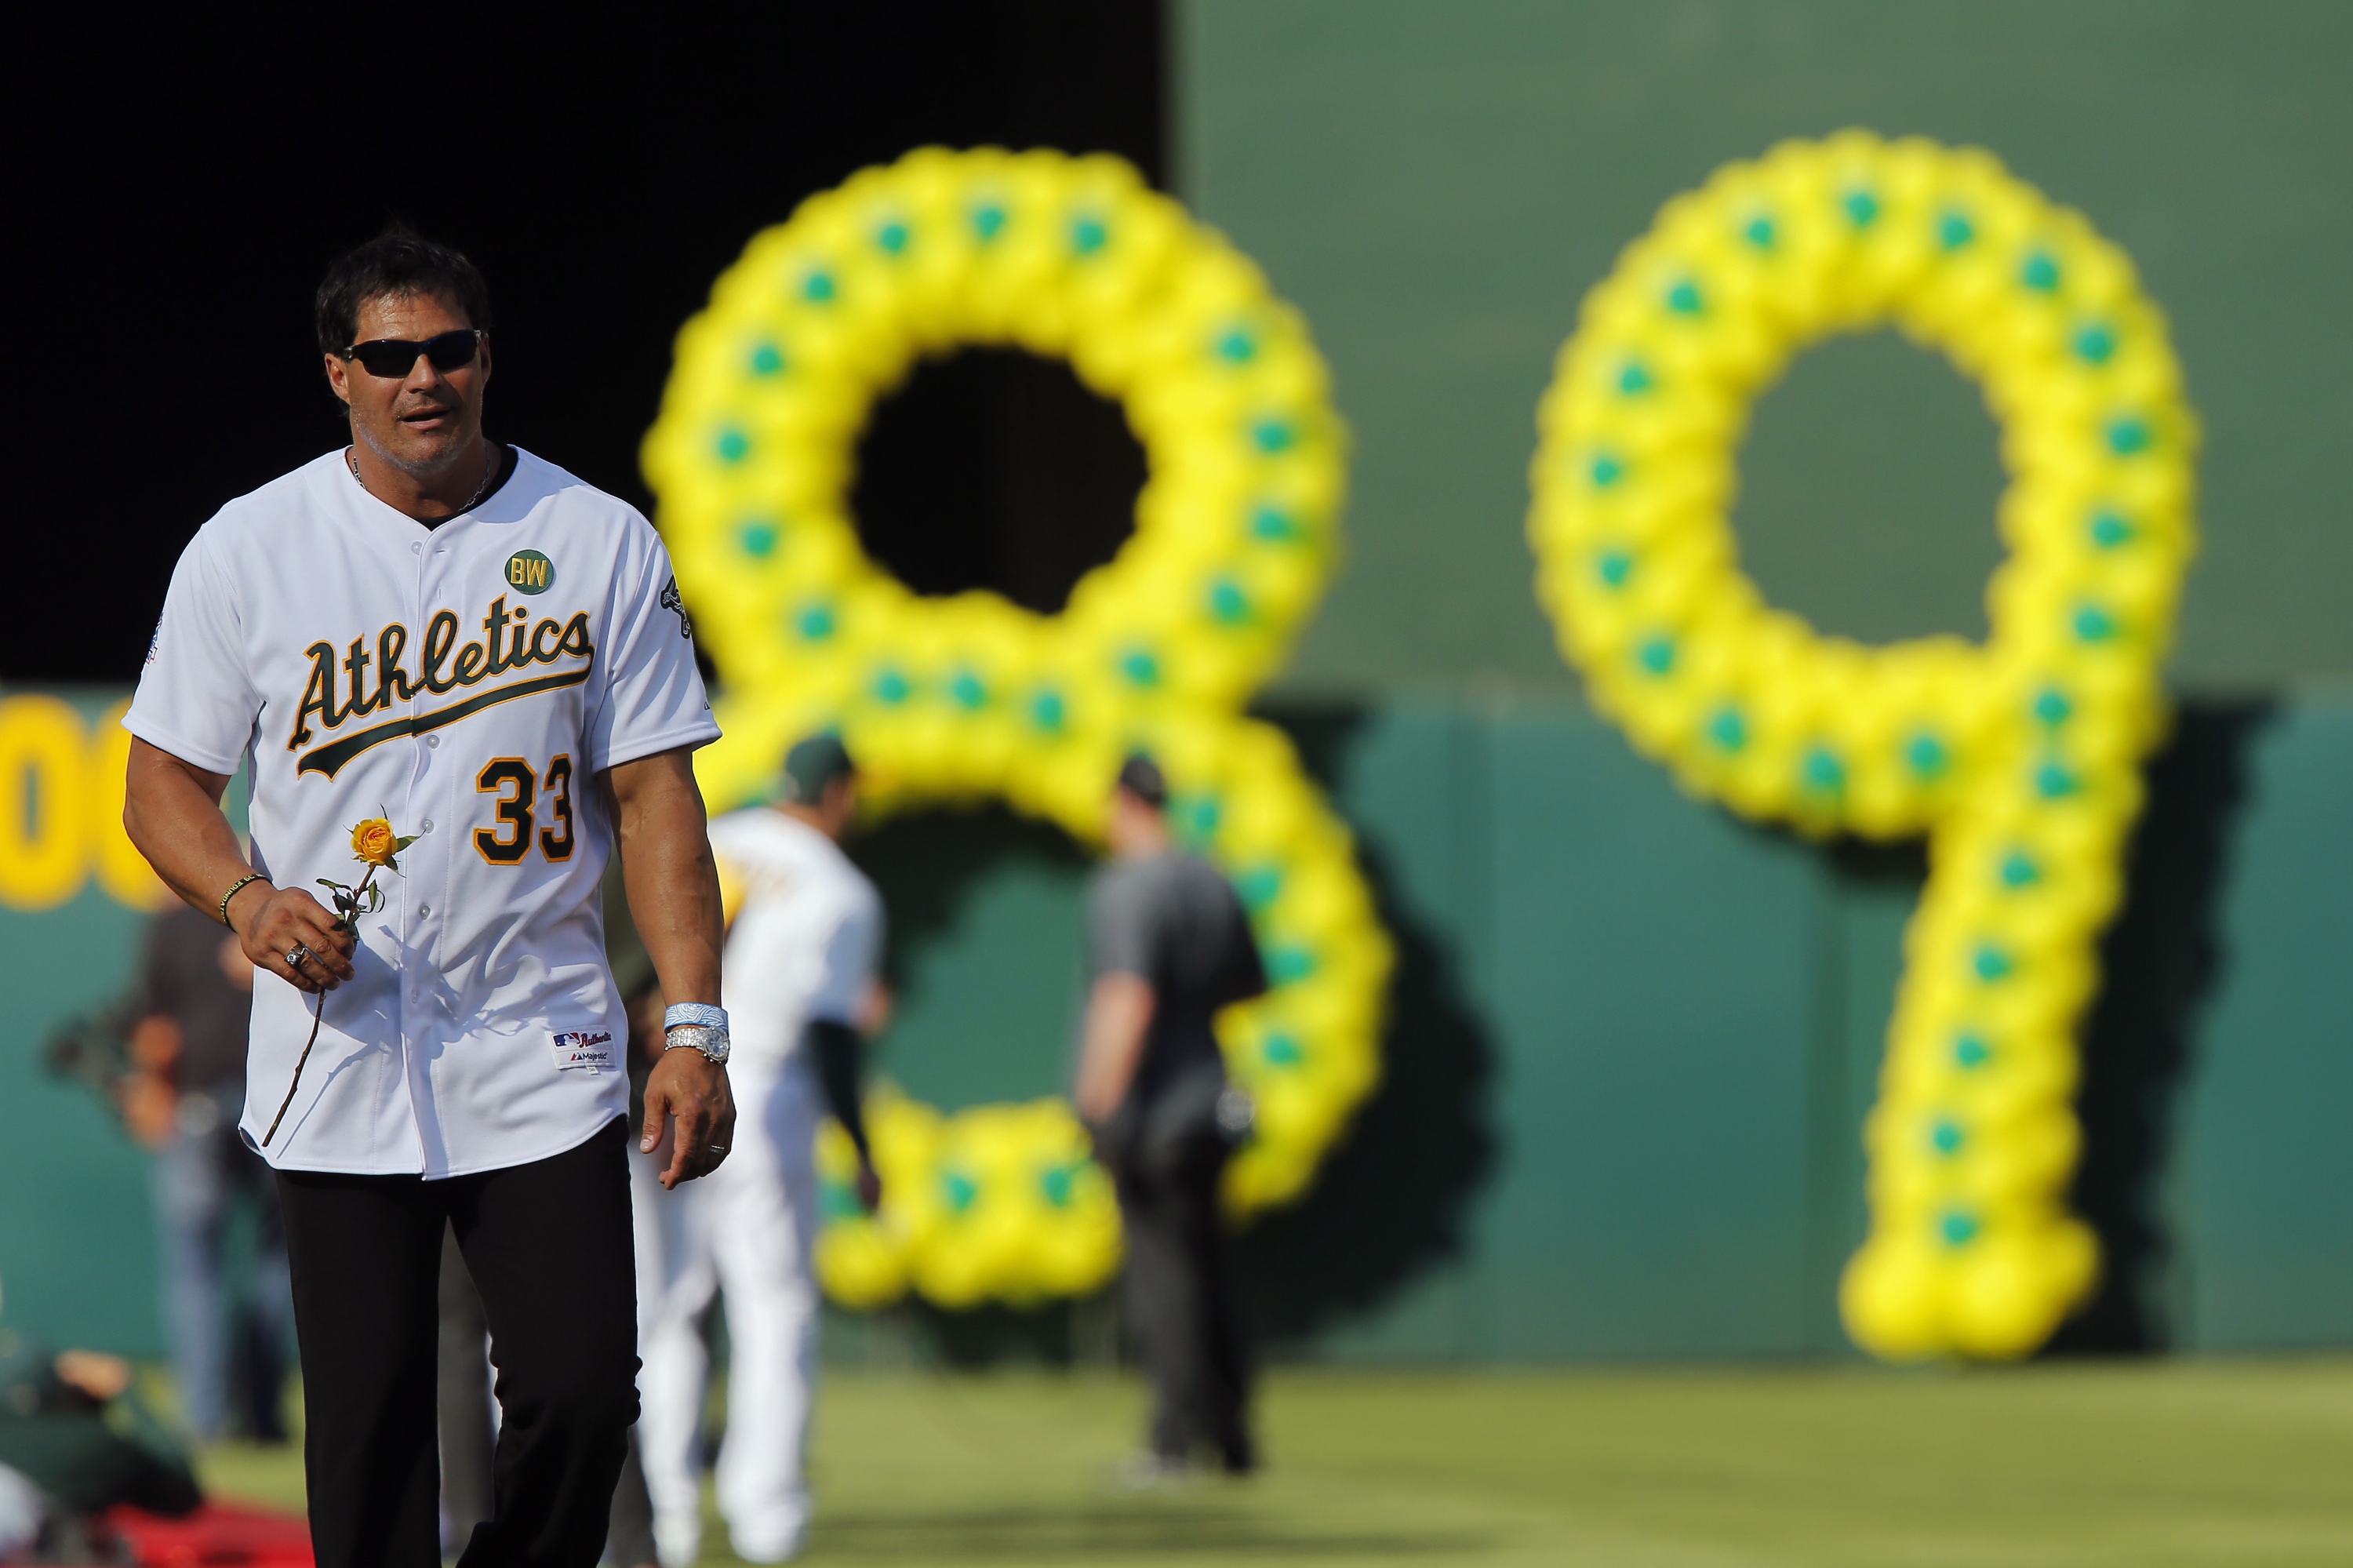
[[1169, 946], [194, 1001]]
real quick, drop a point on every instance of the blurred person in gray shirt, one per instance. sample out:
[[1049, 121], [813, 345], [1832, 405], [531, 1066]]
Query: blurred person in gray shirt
[[182, 1100], [1169, 946]]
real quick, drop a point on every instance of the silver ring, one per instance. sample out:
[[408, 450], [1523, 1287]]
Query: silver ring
[[295, 955]]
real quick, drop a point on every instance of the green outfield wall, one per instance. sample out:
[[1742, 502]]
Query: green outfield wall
[[1437, 186]]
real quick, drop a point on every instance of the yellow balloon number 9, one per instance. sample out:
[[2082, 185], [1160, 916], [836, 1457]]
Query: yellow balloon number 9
[[970, 698], [2020, 758]]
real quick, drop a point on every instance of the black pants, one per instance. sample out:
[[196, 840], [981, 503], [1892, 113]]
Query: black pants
[[548, 1244], [1180, 1298]]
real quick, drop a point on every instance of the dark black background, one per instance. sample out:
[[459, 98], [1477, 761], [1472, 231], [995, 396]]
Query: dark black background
[[174, 188]]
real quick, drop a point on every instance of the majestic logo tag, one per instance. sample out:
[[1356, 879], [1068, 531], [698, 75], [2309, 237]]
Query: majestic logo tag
[[510, 642], [577, 1049], [528, 571]]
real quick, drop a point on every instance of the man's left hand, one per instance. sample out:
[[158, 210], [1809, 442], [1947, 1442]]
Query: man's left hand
[[692, 1089]]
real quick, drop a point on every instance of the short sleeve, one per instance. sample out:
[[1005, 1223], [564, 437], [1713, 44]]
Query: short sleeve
[[195, 698], [1120, 935], [851, 954], [653, 697]]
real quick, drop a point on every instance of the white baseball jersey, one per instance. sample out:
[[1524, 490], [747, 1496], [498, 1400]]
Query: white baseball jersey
[[468, 682], [806, 930]]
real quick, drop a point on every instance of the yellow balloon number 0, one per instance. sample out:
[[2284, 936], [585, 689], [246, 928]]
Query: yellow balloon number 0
[[970, 698], [2020, 758]]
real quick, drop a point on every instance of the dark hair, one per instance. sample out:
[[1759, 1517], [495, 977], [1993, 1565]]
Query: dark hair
[[812, 766], [396, 262], [1141, 777]]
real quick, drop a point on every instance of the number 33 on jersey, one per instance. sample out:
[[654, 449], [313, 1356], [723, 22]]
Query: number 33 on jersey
[[468, 682]]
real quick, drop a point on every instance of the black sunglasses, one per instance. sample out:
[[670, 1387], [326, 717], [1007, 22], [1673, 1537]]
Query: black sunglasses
[[392, 358]]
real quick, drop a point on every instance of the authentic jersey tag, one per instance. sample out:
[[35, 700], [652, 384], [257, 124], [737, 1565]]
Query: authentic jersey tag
[[577, 1049]]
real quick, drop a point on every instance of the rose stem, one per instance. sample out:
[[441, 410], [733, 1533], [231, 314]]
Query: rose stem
[[318, 1013]]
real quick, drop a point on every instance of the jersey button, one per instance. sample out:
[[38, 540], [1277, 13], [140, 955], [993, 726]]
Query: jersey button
[[417, 548], [433, 740], [428, 827], [425, 910]]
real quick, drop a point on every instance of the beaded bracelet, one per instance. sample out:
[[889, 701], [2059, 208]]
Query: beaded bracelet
[[239, 885]]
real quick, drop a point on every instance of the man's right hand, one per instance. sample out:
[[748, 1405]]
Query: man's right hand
[[271, 922]]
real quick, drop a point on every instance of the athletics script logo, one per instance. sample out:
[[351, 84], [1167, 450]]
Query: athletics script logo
[[341, 690]]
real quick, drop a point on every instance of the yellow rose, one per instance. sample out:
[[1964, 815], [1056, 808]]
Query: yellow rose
[[372, 841]]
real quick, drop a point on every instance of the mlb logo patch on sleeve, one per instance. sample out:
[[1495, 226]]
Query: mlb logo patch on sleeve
[[577, 1049]]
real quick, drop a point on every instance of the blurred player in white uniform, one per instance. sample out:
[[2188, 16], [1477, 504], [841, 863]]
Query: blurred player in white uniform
[[805, 931]]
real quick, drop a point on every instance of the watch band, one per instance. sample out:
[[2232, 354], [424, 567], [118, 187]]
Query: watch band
[[701, 1013]]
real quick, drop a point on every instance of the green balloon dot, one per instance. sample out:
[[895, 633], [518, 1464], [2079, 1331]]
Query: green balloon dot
[[1684, 299], [2093, 344], [1236, 346], [1759, 233], [1140, 667], [1954, 230], [891, 687], [1727, 729], [1274, 524], [2041, 272], [1657, 654], [1958, 1228], [2018, 870], [733, 445], [2129, 436], [768, 359], [1089, 234], [1992, 963], [1273, 435], [987, 220], [1058, 1182], [1634, 378], [1281, 1050], [818, 288], [960, 1191], [1260, 887], [1227, 603], [2094, 624], [816, 622], [893, 236], [1926, 755], [1972, 1051], [1823, 771], [1613, 568], [1862, 208], [758, 539], [969, 691], [1947, 1137], [2108, 531], [1046, 711], [2051, 706], [2053, 782], [1288, 964], [1607, 470]]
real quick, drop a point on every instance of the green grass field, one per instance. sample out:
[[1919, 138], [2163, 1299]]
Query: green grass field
[[2212, 1462]]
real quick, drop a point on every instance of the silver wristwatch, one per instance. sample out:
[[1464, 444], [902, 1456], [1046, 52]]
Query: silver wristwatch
[[702, 1037]]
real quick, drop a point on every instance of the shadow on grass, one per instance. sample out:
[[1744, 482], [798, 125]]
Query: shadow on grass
[[1109, 1531]]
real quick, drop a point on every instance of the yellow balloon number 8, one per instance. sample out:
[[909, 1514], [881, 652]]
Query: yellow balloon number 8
[[968, 698], [2020, 758]]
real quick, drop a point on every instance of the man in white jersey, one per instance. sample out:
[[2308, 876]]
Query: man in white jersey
[[469, 642], [804, 930]]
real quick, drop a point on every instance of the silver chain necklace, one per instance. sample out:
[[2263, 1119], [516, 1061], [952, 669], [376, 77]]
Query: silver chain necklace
[[490, 471]]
